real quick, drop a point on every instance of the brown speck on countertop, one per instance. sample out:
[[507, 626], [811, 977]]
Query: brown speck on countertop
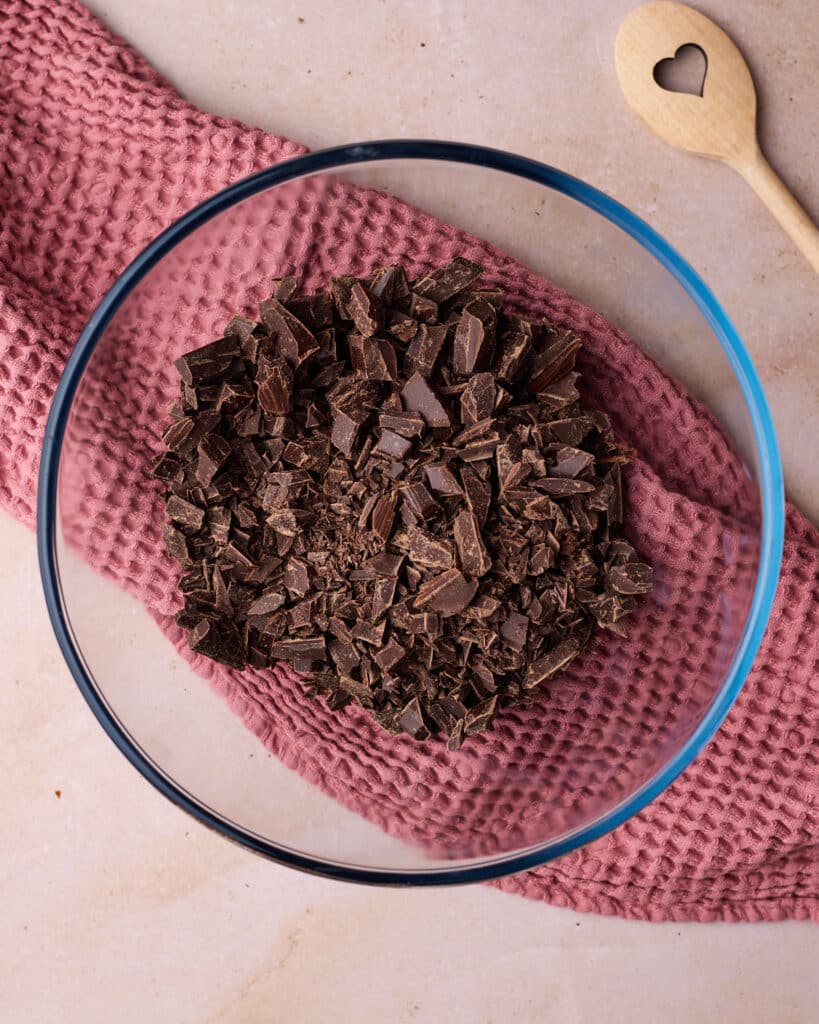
[[58, 793]]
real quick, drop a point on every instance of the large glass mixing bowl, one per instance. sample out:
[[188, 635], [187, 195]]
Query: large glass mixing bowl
[[329, 793]]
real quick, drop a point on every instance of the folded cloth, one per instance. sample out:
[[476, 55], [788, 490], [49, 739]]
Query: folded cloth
[[99, 155]]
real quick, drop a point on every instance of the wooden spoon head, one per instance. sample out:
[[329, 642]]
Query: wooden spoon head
[[722, 121]]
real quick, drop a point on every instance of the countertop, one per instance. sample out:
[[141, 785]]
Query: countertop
[[119, 907]]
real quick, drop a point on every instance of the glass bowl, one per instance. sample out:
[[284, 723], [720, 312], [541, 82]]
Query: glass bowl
[[332, 793]]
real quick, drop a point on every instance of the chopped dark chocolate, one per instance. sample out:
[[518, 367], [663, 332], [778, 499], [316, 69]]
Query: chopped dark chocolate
[[419, 397], [296, 343], [346, 430], [474, 338], [446, 282], [554, 361], [442, 481], [209, 362], [393, 445], [423, 549], [632, 578], [472, 554], [424, 352], [275, 389], [213, 451], [411, 719], [365, 310], [447, 593], [189, 516], [382, 516], [420, 501], [478, 398], [310, 648], [405, 424], [556, 659], [393, 487]]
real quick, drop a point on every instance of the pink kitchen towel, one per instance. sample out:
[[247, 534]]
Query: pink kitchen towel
[[99, 155]]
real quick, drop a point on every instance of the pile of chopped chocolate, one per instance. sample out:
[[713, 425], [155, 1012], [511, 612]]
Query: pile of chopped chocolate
[[393, 487]]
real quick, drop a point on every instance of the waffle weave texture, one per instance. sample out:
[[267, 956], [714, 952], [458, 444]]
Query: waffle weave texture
[[99, 155]]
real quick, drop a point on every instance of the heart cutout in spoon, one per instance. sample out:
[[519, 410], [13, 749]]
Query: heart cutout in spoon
[[684, 72]]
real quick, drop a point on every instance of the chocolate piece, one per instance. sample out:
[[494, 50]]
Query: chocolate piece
[[447, 593], [240, 327], [213, 451], [554, 361], [208, 362], [365, 310], [474, 338], [388, 564], [547, 666], [571, 431], [390, 284], [346, 430], [275, 389], [176, 544], [406, 424], [314, 311], [189, 516], [442, 284], [383, 597], [442, 481], [418, 397], [571, 462], [344, 656], [393, 445], [423, 549], [233, 396], [371, 633], [284, 288], [296, 342], [383, 516], [420, 501], [472, 553], [515, 350], [479, 718], [411, 720], [632, 578], [478, 398], [269, 602], [424, 352], [423, 309], [559, 487], [515, 630], [166, 466], [388, 657], [310, 648], [178, 434], [296, 577], [478, 494], [218, 640]]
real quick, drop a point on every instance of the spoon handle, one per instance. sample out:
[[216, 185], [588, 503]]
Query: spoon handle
[[775, 194]]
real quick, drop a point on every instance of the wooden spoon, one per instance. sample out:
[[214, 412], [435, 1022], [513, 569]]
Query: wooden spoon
[[721, 122]]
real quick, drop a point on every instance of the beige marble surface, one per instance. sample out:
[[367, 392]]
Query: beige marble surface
[[117, 907]]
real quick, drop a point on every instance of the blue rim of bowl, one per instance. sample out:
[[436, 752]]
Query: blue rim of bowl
[[772, 494]]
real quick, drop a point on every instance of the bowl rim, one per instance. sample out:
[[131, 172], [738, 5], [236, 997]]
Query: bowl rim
[[770, 469]]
